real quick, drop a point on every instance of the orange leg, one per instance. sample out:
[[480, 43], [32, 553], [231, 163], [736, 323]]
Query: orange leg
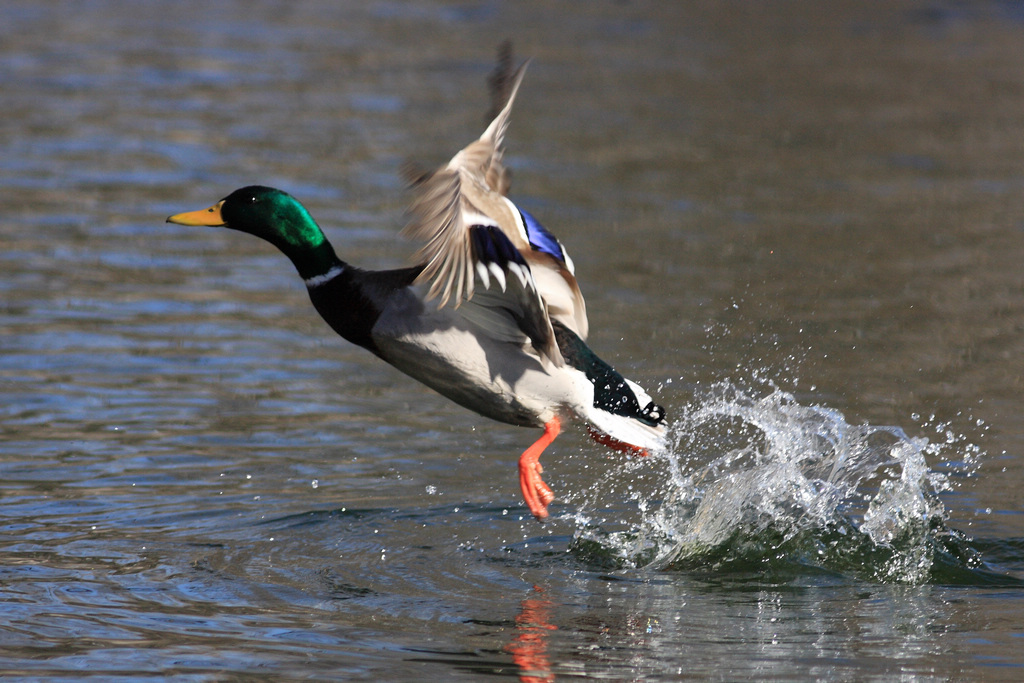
[[620, 446], [537, 494]]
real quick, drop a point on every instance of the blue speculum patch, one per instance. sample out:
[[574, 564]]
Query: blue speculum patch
[[540, 239]]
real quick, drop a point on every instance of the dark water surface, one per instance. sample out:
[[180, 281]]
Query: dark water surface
[[802, 229]]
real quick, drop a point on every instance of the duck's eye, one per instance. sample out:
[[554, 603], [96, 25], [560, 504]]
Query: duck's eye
[[254, 199]]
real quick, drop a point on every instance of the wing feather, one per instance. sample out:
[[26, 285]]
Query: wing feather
[[476, 249], [453, 199]]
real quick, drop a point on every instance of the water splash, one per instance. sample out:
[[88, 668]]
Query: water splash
[[756, 481]]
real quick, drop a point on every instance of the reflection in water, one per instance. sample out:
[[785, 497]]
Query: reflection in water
[[529, 648]]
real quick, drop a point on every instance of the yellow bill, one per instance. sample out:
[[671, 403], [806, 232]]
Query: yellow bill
[[210, 217]]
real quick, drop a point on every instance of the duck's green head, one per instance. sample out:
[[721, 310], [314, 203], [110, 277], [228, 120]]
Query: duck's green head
[[275, 216], [266, 212]]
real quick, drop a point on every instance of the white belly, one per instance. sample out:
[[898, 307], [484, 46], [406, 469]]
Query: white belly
[[501, 380]]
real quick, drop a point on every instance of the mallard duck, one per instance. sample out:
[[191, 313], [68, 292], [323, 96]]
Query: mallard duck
[[491, 315]]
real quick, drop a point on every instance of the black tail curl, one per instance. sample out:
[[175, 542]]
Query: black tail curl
[[611, 391]]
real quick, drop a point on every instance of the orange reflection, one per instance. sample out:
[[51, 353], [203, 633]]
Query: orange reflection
[[529, 648]]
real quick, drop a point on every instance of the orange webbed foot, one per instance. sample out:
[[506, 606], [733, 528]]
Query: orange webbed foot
[[615, 444], [537, 494]]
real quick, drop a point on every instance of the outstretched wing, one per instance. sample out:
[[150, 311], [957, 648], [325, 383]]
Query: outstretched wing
[[486, 257], [456, 197]]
